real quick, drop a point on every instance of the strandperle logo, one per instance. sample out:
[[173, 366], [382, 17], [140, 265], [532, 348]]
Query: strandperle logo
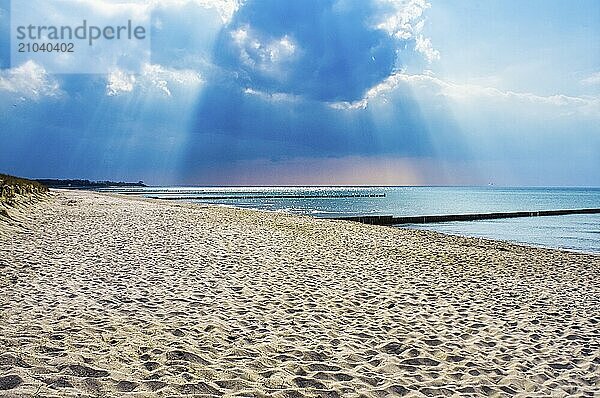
[[80, 36], [84, 32]]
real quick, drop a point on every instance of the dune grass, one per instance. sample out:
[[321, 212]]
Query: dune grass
[[14, 189]]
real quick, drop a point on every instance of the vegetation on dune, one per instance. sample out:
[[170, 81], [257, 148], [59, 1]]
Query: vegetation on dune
[[14, 190]]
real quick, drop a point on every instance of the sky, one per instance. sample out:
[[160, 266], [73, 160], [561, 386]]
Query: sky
[[322, 92]]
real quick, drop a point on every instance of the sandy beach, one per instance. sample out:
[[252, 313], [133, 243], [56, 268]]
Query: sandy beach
[[107, 296]]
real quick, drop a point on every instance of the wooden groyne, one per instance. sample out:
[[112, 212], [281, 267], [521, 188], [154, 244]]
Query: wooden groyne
[[391, 220]]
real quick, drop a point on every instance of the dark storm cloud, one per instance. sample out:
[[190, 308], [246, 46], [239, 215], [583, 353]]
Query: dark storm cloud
[[336, 54]]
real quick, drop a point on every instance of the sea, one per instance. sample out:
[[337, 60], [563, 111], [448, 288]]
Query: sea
[[570, 232]]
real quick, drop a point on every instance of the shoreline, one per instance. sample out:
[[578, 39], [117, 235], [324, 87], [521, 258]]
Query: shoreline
[[401, 226], [102, 294], [510, 242]]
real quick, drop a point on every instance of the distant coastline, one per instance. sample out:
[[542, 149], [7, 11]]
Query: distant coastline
[[87, 184]]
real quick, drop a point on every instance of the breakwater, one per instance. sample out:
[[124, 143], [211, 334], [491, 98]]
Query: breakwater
[[391, 220]]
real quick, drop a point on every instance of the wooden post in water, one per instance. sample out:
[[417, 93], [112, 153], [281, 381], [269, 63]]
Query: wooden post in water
[[391, 220]]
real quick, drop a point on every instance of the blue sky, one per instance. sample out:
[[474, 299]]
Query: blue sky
[[323, 92]]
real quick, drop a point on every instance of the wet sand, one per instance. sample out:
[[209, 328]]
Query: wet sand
[[121, 297]]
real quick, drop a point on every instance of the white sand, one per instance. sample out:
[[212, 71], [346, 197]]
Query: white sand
[[111, 296]]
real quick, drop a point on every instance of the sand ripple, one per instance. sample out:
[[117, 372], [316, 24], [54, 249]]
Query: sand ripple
[[105, 296]]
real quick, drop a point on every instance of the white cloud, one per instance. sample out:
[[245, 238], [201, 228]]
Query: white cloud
[[153, 78], [401, 18], [119, 82], [423, 45], [433, 86], [473, 92], [592, 79], [389, 84], [272, 97], [140, 10], [281, 49], [225, 8], [161, 77], [268, 56], [29, 80]]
